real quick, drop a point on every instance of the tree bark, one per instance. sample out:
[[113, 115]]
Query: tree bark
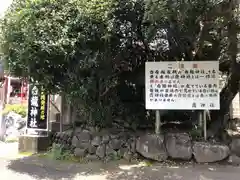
[[219, 118]]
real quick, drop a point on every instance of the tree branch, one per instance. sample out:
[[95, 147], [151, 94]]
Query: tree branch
[[220, 10], [54, 106], [200, 40]]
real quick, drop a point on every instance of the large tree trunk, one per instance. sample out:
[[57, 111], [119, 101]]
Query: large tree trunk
[[219, 118]]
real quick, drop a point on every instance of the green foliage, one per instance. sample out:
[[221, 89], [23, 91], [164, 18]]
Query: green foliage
[[11, 140], [196, 133], [57, 152], [17, 108]]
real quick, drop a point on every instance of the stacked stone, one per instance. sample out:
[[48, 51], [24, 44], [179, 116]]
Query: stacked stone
[[105, 145], [63, 138]]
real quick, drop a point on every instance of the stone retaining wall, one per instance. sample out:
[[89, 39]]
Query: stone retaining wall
[[113, 145]]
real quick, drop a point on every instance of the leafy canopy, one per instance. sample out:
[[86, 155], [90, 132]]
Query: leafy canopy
[[94, 50]]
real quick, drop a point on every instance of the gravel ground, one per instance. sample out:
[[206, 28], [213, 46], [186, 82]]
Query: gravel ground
[[33, 168]]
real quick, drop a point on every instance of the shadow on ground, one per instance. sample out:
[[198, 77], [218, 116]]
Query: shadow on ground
[[41, 168], [188, 172]]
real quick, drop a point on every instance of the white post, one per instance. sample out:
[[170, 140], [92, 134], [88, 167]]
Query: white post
[[48, 113], [200, 119], [61, 114], [205, 125], [158, 122]]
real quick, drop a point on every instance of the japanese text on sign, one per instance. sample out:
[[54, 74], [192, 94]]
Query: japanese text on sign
[[34, 107], [43, 101], [37, 109], [182, 85]]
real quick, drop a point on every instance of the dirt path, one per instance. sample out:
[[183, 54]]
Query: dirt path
[[34, 168], [8, 150]]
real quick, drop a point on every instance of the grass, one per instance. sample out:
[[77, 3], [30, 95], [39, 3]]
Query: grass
[[52, 156], [11, 140], [146, 163], [24, 154], [57, 152]]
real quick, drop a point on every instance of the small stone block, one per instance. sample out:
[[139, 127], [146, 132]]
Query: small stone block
[[33, 144]]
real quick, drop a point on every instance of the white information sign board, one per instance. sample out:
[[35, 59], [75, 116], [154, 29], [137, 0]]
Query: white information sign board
[[190, 85]]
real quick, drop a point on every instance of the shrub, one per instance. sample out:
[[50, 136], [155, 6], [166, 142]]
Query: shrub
[[58, 152], [17, 108]]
